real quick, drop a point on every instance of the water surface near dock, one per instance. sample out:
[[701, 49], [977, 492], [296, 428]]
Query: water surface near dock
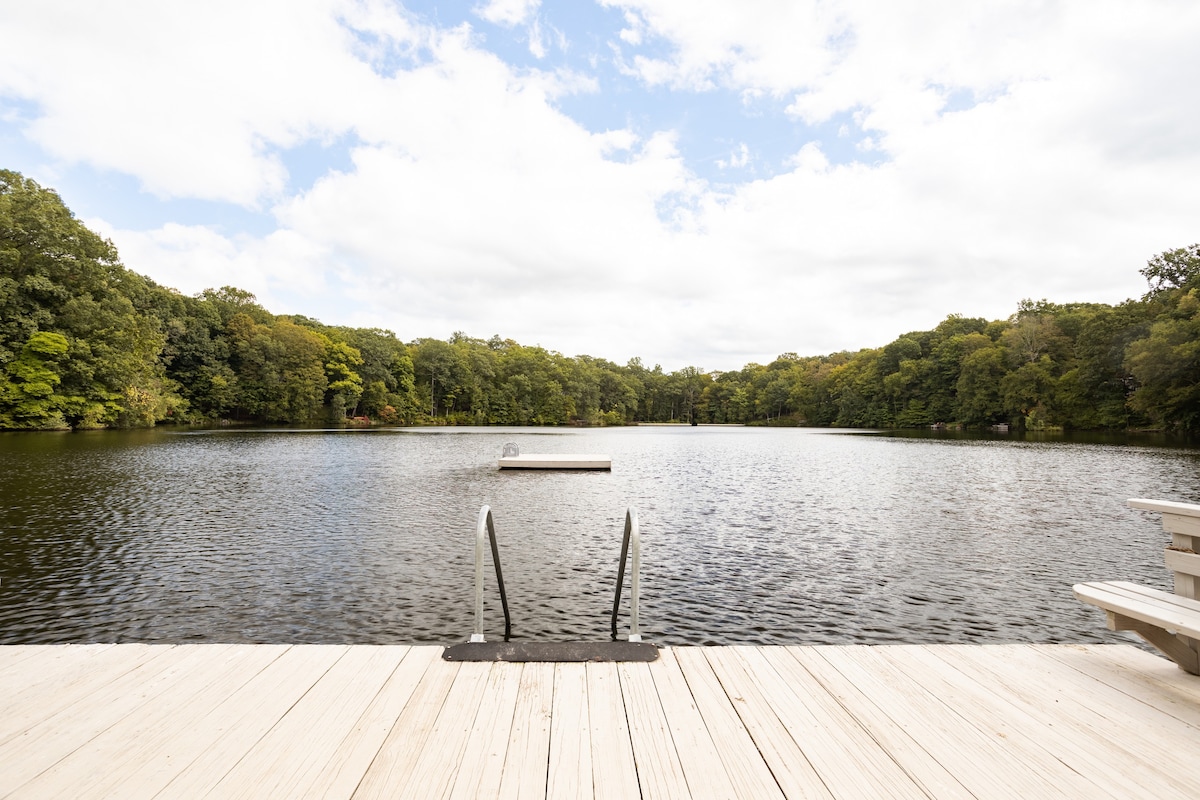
[[751, 536]]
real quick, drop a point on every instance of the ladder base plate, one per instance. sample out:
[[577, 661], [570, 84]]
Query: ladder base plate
[[551, 651]]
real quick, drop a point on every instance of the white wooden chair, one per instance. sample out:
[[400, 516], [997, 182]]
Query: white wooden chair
[[1170, 622]]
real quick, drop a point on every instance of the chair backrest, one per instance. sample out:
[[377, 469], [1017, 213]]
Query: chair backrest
[[1182, 521]]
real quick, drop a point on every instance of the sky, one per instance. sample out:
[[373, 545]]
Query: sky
[[691, 182]]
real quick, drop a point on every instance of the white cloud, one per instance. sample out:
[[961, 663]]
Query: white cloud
[[633, 34], [740, 157], [473, 203], [508, 12], [192, 258], [537, 45], [193, 103], [776, 45], [810, 159]]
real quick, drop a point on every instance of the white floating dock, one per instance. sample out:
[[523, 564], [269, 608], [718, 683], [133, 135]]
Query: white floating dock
[[556, 461]]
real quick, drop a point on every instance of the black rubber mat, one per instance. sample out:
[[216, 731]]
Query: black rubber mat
[[551, 651]]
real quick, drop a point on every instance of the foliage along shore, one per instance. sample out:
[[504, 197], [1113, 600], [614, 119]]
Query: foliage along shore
[[86, 343]]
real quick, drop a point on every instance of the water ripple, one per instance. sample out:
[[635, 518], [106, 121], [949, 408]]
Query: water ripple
[[751, 536]]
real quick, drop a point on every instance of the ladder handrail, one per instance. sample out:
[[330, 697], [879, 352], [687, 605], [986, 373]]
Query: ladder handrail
[[631, 540], [631, 535], [485, 522]]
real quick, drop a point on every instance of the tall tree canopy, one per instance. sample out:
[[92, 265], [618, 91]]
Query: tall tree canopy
[[84, 342]]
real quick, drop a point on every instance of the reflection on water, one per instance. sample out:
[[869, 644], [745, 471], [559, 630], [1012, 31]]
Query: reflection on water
[[750, 535]]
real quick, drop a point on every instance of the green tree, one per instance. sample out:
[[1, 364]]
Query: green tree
[[27, 393], [56, 276], [439, 368], [343, 384], [280, 370], [978, 386], [1166, 364], [1177, 269]]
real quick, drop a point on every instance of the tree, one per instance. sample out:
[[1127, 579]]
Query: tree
[[1095, 392], [1034, 332], [1173, 269], [1167, 366], [280, 370], [978, 386], [229, 301], [1027, 391], [691, 385], [56, 276], [27, 392], [439, 366], [343, 385]]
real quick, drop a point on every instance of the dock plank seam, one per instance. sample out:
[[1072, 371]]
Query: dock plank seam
[[922, 765], [746, 770], [390, 772], [795, 773], [798, 721], [202, 779], [1005, 718]]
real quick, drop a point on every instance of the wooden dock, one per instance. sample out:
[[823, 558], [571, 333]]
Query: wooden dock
[[186, 721]]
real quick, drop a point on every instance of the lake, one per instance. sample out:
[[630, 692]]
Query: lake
[[750, 535]]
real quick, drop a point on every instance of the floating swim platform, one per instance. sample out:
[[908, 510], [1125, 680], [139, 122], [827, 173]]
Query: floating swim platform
[[511, 458], [556, 461]]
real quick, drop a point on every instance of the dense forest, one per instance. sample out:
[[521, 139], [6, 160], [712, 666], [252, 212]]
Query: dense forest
[[86, 343]]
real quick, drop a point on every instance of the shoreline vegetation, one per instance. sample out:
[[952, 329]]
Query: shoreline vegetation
[[86, 343]]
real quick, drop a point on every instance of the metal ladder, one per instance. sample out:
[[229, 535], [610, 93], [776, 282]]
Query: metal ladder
[[479, 649]]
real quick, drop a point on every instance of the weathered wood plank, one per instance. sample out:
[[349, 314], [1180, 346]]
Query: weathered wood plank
[[865, 700], [391, 770], [433, 772], [292, 754], [528, 752], [699, 756], [1174, 603], [845, 756], [46, 743], [569, 767], [614, 774], [1156, 608], [483, 759], [978, 756], [100, 766], [1186, 567], [1041, 750], [331, 721], [1148, 678], [228, 698], [659, 771], [785, 758], [225, 737], [1166, 507], [740, 756], [345, 769], [41, 656], [1075, 717], [1177, 561], [71, 676], [1181, 525]]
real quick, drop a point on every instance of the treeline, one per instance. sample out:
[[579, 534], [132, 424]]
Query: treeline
[[1084, 366], [85, 343]]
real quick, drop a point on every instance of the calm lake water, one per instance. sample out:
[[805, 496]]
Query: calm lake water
[[755, 536]]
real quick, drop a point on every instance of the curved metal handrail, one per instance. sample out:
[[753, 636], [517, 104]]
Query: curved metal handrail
[[631, 535], [485, 522]]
